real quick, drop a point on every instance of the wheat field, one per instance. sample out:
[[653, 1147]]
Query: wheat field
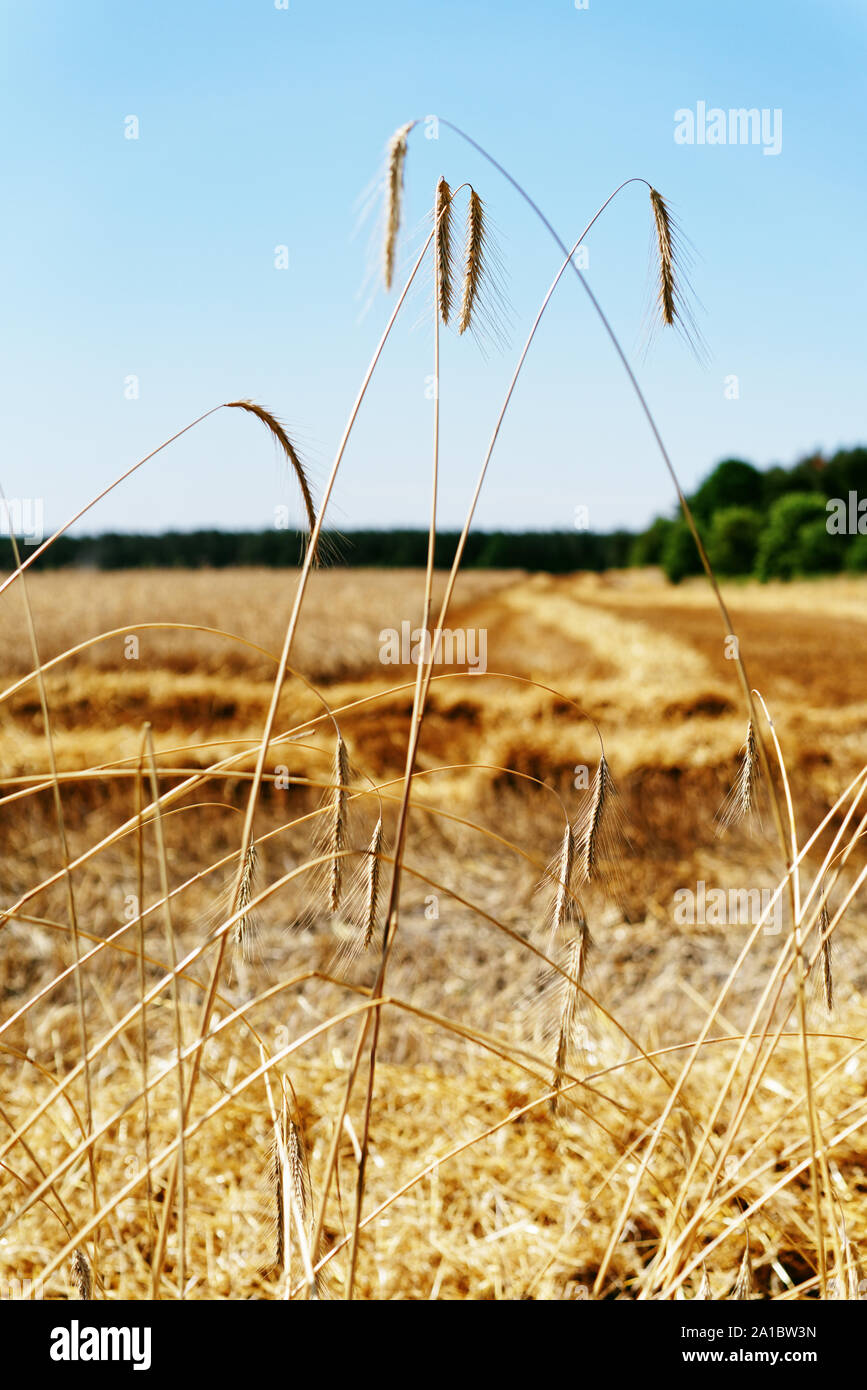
[[480, 1181], [432, 935]]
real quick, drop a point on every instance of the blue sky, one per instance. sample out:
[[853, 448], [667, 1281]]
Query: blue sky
[[261, 127]]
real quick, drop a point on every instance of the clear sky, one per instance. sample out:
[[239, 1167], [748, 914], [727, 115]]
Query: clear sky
[[261, 127]]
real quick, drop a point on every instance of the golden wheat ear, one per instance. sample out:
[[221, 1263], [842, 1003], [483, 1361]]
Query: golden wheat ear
[[474, 260], [245, 931], [394, 199], [743, 1288], [741, 801], [80, 1275], [825, 962], [290, 453], [600, 839], [444, 259], [568, 1049], [674, 293]]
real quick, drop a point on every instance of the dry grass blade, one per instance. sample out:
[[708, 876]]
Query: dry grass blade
[[704, 1289], [474, 260], [443, 215], [394, 198], [277, 430], [80, 1275]]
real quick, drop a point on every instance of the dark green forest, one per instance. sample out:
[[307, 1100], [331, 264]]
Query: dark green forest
[[772, 524]]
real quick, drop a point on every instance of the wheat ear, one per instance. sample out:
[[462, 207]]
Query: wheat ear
[[82, 1279], [394, 198], [474, 260], [741, 800], [743, 1288], [575, 967], [563, 873], [272, 424], [443, 215], [827, 975], [666, 247], [337, 824], [371, 902], [591, 825], [244, 932]]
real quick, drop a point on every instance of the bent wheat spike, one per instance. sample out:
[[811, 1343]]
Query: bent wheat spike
[[374, 865], [602, 787], [564, 879], [82, 1279], [244, 933], [394, 198], [474, 260], [665, 244], [337, 836], [443, 214], [575, 967], [272, 424]]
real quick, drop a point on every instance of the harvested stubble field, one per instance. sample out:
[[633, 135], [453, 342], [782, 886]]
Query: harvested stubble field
[[477, 1184]]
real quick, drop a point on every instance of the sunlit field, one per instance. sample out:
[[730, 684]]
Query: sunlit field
[[593, 1079]]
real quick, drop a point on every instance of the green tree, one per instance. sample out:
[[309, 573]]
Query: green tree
[[783, 551], [733, 540], [680, 555], [732, 483], [647, 548]]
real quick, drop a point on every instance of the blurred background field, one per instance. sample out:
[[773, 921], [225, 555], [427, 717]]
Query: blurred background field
[[524, 1213]]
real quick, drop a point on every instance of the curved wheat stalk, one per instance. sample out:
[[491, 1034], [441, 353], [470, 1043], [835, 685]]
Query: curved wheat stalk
[[278, 432]]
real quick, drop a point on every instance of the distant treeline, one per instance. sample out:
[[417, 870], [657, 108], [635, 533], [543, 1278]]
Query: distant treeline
[[773, 523], [557, 551]]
